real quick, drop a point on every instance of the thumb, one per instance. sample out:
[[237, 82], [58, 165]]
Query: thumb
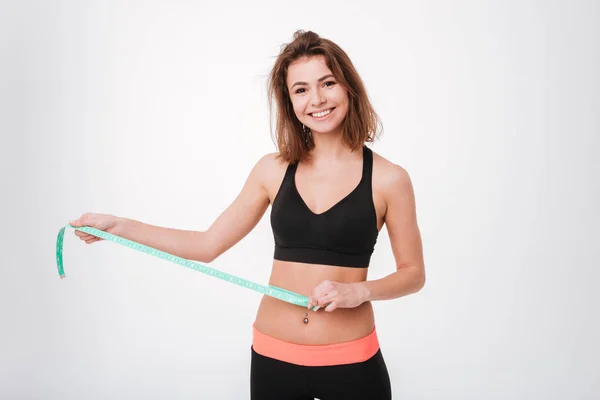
[[81, 221]]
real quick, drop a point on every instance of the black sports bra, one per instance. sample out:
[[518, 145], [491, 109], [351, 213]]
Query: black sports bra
[[344, 235]]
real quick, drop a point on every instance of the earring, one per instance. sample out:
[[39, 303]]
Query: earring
[[306, 131]]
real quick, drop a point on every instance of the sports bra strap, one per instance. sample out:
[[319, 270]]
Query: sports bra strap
[[290, 171], [367, 164]]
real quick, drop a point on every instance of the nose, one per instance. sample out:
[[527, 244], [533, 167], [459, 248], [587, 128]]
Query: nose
[[317, 98]]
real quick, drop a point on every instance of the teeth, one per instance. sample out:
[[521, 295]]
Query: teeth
[[321, 114]]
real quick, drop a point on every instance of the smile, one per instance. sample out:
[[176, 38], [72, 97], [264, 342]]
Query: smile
[[322, 114]]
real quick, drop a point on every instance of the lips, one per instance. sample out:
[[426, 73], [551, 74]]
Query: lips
[[323, 116]]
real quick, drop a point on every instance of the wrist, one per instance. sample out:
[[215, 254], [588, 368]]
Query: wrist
[[364, 293], [122, 225]]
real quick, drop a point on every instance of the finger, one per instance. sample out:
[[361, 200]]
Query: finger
[[85, 219], [84, 236], [76, 222], [332, 306], [321, 290], [313, 302], [323, 300], [312, 305]]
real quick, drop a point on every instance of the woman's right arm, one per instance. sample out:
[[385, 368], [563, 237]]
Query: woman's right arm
[[230, 227]]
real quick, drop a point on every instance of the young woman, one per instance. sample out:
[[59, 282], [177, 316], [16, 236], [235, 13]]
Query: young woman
[[330, 196]]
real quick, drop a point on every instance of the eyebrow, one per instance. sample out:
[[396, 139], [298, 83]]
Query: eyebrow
[[320, 80]]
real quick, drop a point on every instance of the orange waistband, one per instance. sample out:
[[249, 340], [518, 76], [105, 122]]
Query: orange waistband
[[315, 355]]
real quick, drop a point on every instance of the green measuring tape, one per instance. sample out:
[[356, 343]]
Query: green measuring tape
[[273, 291]]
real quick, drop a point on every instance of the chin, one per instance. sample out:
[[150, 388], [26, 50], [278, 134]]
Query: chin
[[336, 128]]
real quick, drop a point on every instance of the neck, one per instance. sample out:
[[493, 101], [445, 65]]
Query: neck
[[329, 147]]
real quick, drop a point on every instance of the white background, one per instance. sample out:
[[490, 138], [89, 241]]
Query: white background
[[156, 111]]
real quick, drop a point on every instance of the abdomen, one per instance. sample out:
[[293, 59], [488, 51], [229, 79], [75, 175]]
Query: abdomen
[[285, 321]]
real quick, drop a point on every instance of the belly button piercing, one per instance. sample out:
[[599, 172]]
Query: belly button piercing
[[305, 319]]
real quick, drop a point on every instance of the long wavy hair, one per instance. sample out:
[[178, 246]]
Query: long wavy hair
[[361, 125]]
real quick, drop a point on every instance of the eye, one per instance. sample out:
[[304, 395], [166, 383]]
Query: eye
[[332, 83], [298, 90]]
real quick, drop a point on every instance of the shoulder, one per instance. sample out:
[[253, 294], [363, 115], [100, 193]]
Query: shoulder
[[269, 167], [390, 178], [270, 162]]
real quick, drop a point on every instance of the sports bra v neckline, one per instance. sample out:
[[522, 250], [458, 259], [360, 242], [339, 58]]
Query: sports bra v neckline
[[336, 204]]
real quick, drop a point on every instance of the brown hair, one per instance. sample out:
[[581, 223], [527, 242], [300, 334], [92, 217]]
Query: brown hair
[[361, 122]]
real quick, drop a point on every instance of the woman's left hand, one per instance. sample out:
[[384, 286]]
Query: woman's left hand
[[337, 295]]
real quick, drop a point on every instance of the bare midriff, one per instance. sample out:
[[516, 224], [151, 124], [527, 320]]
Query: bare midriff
[[285, 321]]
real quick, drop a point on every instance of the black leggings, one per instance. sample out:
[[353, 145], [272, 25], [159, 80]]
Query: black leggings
[[271, 379]]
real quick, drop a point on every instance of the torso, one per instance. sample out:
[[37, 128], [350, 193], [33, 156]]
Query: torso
[[320, 189]]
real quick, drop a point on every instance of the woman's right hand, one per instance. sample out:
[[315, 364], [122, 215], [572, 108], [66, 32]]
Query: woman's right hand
[[103, 222]]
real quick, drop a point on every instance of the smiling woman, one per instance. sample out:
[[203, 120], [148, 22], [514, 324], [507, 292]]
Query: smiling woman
[[318, 77], [330, 196]]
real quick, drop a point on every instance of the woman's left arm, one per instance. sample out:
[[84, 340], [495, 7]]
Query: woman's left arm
[[405, 238]]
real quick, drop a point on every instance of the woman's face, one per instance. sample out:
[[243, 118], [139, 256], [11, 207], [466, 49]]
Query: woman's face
[[319, 101]]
